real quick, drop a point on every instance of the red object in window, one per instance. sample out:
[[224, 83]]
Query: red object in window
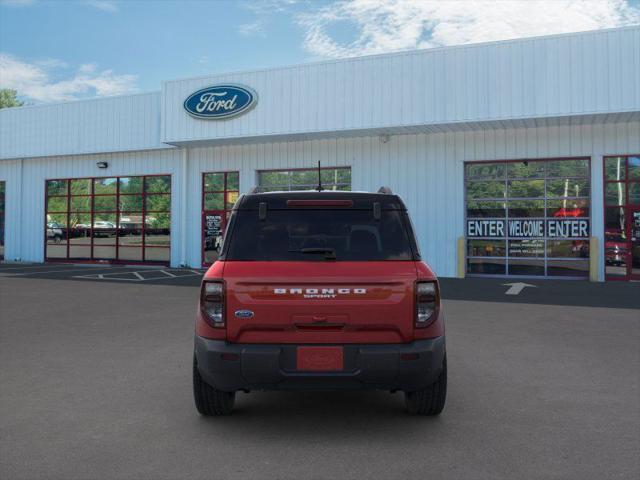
[[319, 203], [569, 212]]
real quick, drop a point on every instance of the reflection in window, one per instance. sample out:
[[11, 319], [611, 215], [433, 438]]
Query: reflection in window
[[568, 248], [57, 187], [634, 193], [105, 203], [536, 193], [158, 184], [568, 268], [485, 209], [80, 204], [615, 168], [568, 168], [57, 204], [486, 248], [568, 188], [526, 248], [526, 208], [109, 219], [525, 188], [614, 193], [105, 185], [2, 215], [489, 266], [305, 179], [485, 189], [574, 207], [614, 219], [219, 194], [526, 169], [485, 171], [526, 267], [633, 168]]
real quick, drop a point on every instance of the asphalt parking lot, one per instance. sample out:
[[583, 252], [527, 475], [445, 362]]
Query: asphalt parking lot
[[95, 376]]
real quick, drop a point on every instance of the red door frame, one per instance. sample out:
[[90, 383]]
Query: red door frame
[[92, 212], [630, 240], [222, 213], [628, 209]]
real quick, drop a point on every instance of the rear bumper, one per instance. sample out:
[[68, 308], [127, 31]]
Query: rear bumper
[[230, 366]]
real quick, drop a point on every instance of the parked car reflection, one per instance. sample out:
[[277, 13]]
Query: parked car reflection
[[54, 232]]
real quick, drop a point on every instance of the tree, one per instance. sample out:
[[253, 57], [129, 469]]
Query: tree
[[8, 98]]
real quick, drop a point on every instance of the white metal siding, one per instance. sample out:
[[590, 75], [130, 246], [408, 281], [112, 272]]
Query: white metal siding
[[11, 174], [90, 126], [28, 218], [425, 169], [547, 77]]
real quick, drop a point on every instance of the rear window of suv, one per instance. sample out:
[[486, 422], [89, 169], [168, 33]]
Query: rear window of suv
[[310, 235]]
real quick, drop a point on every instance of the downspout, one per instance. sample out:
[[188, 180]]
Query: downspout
[[18, 235], [184, 209]]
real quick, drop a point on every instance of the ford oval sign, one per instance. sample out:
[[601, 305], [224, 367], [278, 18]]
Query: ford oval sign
[[220, 101], [244, 313]]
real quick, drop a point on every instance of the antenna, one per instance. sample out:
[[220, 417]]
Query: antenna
[[319, 178]]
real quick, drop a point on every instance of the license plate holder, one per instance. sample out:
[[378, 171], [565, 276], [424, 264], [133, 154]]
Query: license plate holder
[[320, 359]]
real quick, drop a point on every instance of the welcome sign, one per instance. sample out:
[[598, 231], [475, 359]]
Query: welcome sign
[[529, 228], [219, 102]]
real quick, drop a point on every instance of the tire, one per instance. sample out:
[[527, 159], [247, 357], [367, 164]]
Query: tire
[[429, 401], [210, 401]]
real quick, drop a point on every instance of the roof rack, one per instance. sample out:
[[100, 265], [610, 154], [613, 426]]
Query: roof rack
[[385, 190]]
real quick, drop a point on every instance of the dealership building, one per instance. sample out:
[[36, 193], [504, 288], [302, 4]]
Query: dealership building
[[516, 158]]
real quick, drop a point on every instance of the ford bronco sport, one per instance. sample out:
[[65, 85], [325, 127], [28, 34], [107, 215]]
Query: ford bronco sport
[[319, 290]]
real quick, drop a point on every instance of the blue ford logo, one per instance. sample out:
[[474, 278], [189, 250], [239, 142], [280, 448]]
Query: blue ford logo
[[220, 101], [244, 313]]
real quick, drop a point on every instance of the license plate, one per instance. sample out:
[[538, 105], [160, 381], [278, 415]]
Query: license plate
[[320, 359]]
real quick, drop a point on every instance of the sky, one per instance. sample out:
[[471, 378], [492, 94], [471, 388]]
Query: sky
[[59, 50]]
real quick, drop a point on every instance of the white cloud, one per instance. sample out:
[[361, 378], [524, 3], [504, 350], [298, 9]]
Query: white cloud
[[252, 29], [36, 81], [389, 25], [269, 6], [104, 5]]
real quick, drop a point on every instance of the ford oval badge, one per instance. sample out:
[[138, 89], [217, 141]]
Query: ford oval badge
[[244, 313], [220, 101]]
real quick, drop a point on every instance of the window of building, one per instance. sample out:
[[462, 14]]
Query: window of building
[[333, 178], [118, 219], [528, 218], [220, 190], [2, 211], [622, 217]]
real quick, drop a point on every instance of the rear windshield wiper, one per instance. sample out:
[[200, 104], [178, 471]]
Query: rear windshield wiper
[[329, 253]]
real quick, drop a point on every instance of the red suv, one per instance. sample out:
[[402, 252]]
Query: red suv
[[319, 291]]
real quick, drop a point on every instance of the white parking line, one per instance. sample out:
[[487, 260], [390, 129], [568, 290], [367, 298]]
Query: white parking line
[[16, 274], [139, 276]]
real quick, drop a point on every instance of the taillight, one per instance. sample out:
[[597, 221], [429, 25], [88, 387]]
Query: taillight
[[427, 303], [212, 303]]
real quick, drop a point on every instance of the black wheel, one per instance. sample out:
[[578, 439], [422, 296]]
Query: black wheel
[[431, 400], [210, 401]]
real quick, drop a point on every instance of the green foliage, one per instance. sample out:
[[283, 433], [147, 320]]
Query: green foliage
[[8, 98]]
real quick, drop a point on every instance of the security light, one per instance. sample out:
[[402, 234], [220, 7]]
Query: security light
[[102, 164]]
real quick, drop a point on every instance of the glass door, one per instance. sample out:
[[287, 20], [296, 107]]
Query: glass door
[[220, 191], [634, 240], [622, 217]]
